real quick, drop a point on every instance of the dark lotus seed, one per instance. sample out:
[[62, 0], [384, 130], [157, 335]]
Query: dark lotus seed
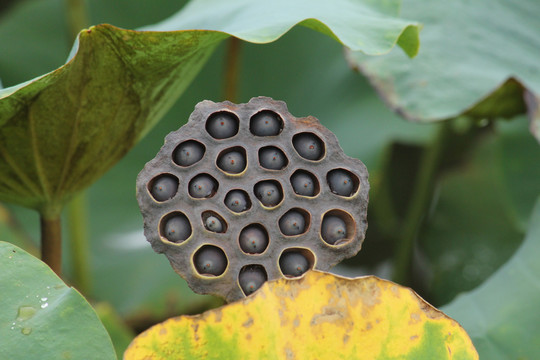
[[202, 186], [292, 223], [293, 264], [333, 229], [210, 260], [253, 239], [188, 153], [222, 125], [213, 224], [237, 201], [177, 228], [272, 158], [268, 193], [232, 162], [303, 184], [251, 278], [341, 182], [265, 123], [164, 187], [308, 146]]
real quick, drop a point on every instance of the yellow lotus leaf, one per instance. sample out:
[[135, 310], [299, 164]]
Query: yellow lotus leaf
[[320, 316]]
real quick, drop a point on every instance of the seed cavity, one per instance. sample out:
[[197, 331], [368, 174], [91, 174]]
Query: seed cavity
[[222, 125], [253, 239], [251, 278], [210, 261], [309, 146]]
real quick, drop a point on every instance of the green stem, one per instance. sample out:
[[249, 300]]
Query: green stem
[[78, 236], [421, 198], [383, 206], [77, 17], [51, 242], [232, 68]]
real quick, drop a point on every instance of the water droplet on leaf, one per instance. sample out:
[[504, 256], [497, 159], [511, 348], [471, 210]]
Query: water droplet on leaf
[[26, 312]]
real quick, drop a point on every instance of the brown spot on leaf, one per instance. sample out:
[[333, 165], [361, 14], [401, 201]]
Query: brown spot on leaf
[[195, 327], [218, 315], [291, 292], [329, 314], [282, 316], [248, 322], [163, 331], [345, 338], [414, 337], [429, 310], [289, 354], [415, 318]]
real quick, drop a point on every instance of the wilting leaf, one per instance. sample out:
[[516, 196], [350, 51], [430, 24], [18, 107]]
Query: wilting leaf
[[320, 316], [61, 132], [42, 318], [478, 58], [501, 315]]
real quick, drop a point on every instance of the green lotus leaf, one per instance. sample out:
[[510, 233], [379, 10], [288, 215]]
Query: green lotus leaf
[[478, 59], [501, 315], [42, 318]]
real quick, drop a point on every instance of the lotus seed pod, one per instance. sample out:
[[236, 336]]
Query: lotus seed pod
[[164, 187], [233, 162], [177, 228], [237, 201], [202, 186], [265, 123], [253, 239], [188, 153], [228, 156], [210, 260], [213, 224], [308, 146], [272, 158], [251, 278], [222, 125], [303, 184], [333, 229], [268, 193], [293, 264], [340, 182], [292, 223]]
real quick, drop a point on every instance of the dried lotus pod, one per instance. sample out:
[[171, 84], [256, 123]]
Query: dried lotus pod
[[246, 193]]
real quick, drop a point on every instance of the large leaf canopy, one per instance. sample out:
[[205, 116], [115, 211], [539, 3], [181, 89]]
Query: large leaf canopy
[[62, 131]]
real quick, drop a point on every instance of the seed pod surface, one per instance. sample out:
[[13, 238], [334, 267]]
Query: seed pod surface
[[245, 193]]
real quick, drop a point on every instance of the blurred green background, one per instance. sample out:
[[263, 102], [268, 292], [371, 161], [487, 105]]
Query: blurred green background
[[479, 199]]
